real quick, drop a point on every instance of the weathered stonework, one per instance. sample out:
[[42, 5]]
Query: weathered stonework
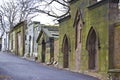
[[17, 39], [117, 47], [48, 47], [0, 43], [97, 37]]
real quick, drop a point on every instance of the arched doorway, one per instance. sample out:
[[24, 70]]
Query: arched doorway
[[92, 49], [43, 51], [65, 52]]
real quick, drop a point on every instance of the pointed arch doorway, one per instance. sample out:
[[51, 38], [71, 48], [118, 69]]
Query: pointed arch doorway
[[92, 49], [65, 52], [43, 51]]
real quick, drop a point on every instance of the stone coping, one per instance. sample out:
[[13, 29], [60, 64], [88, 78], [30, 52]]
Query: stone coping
[[114, 71]]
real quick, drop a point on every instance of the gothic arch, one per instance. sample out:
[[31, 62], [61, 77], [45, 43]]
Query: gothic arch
[[65, 50], [78, 24], [92, 48], [43, 51]]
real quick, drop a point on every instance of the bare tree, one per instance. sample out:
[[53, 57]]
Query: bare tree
[[51, 8], [2, 29], [26, 9], [14, 12], [9, 10], [17, 11]]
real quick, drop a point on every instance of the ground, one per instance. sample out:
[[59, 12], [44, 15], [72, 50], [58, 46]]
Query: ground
[[16, 68]]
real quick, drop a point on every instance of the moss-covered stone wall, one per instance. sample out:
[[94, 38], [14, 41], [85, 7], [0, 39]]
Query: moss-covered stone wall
[[98, 19], [94, 16], [66, 28], [13, 37], [47, 50]]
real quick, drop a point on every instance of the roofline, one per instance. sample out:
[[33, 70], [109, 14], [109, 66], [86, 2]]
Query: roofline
[[39, 35], [64, 18], [42, 31], [102, 2], [73, 1], [23, 22]]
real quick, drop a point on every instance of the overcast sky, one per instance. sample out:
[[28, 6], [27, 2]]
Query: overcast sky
[[42, 18]]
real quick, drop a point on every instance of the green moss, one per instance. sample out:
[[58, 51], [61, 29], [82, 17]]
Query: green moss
[[67, 28], [96, 18], [13, 37]]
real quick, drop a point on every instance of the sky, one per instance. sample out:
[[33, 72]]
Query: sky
[[45, 19], [42, 18]]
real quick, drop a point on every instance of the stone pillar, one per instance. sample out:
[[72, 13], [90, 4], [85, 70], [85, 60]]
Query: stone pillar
[[113, 18]]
